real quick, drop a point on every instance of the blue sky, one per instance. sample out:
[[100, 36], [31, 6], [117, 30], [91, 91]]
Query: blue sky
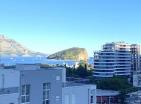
[[51, 25]]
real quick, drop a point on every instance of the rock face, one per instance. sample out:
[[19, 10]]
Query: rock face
[[11, 47], [71, 54]]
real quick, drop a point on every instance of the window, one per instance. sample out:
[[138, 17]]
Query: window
[[46, 92], [57, 98], [58, 78], [92, 101], [25, 94]]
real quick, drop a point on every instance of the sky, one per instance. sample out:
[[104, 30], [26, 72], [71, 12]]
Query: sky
[[49, 26]]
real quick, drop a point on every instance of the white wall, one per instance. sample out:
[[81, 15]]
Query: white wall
[[137, 80], [36, 78], [9, 77], [9, 98], [79, 94]]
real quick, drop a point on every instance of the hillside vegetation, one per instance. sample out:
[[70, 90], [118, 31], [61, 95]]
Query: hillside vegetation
[[71, 54]]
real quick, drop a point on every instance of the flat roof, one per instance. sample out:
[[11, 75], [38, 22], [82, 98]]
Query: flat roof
[[100, 92], [72, 84], [135, 93], [21, 67]]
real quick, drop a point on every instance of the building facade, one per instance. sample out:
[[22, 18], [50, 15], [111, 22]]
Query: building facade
[[75, 93], [107, 97], [9, 86], [113, 60], [30, 84], [135, 58], [35, 84]]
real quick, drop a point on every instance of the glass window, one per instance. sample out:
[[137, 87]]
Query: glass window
[[92, 99], [25, 94], [58, 78], [46, 92]]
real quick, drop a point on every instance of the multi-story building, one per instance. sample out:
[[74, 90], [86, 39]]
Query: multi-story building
[[107, 97], [35, 84], [30, 84], [113, 60], [135, 58], [9, 90], [75, 93], [135, 64]]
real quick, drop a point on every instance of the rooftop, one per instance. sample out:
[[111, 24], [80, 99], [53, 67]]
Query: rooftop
[[20, 67], [72, 84], [100, 92]]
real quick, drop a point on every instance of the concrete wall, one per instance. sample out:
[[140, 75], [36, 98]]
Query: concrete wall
[[36, 79], [79, 94]]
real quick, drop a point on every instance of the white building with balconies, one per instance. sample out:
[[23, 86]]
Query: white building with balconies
[[113, 60]]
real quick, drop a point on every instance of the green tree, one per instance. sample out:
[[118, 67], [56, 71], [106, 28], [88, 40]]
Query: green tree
[[70, 72], [81, 71]]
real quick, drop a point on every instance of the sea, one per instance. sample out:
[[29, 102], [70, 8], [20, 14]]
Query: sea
[[11, 60]]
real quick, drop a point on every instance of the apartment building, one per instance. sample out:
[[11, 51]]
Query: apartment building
[[30, 84], [107, 97], [116, 59], [9, 86], [135, 58], [35, 84], [135, 63], [76, 93], [113, 59]]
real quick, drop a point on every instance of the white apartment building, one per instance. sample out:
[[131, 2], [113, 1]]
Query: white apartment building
[[74, 93], [32, 84], [116, 59]]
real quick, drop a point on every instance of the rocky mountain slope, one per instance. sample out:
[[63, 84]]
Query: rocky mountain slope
[[71, 53], [11, 47]]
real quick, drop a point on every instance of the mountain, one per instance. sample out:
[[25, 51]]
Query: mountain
[[11, 47], [74, 53]]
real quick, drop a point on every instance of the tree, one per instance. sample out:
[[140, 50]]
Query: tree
[[81, 71], [70, 72], [115, 83]]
